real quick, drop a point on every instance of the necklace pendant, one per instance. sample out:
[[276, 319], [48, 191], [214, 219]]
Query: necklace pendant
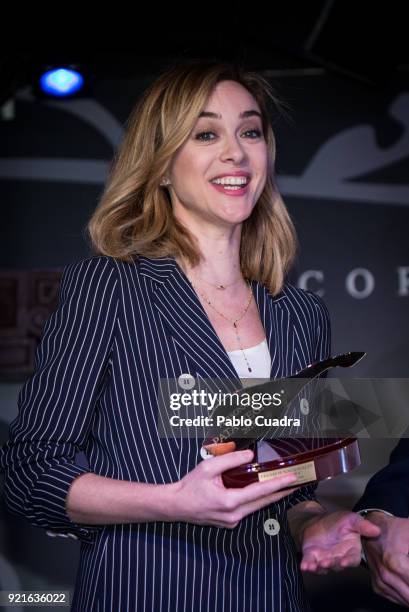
[[234, 324], [250, 369]]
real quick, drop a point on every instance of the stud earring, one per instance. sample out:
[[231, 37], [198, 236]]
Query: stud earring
[[165, 181]]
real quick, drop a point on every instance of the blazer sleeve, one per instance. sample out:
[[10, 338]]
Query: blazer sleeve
[[321, 322], [388, 489], [57, 404]]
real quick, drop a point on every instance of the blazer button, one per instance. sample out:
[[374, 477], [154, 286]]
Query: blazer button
[[304, 406], [271, 527], [186, 381]]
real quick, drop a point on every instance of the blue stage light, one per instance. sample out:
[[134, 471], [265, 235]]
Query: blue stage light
[[61, 82]]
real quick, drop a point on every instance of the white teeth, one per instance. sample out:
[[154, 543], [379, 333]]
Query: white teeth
[[231, 180]]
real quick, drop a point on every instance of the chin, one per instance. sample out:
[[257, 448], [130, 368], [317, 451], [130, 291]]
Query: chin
[[236, 218], [240, 214]]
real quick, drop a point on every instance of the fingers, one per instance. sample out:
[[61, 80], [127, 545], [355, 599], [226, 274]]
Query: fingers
[[392, 583], [389, 573], [335, 564], [219, 464], [366, 528], [312, 562], [257, 490], [353, 522], [398, 565], [230, 505], [221, 448], [321, 561], [234, 506], [383, 590], [250, 507], [238, 503], [309, 562]]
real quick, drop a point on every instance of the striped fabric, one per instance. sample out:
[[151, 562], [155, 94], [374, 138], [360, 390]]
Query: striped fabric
[[119, 328]]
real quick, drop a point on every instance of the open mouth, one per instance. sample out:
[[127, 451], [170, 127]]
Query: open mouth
[[231, 185]]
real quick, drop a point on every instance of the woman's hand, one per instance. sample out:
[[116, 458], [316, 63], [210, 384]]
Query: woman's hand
[[202, 498], [332, 541]]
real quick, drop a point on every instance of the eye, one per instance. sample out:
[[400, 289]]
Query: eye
[[201, 134], [256, 131]]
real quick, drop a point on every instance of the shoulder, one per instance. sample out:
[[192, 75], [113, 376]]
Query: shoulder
[[97, 266], [304, 300], [108, 278], [311, 315], [97, 277]]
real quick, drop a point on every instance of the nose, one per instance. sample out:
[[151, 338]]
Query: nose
[[232, 150]]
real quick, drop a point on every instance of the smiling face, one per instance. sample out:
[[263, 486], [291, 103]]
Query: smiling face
[[227, 142]]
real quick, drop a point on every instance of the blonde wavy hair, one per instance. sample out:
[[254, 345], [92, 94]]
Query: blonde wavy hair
[[134, 215]]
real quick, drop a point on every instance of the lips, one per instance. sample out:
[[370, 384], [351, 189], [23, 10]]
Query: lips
[[231, 190], [247, 175]]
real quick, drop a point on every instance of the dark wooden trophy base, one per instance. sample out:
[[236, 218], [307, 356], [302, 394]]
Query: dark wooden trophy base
[[311, 462]]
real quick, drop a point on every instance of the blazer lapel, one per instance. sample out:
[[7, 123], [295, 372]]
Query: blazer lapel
[[275, 318]]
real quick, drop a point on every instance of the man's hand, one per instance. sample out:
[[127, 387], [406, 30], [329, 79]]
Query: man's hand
[[387, 557], [332, 541]]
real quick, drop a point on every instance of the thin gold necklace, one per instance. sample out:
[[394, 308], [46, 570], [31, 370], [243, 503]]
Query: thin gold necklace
[[220, 286], [234, 321]]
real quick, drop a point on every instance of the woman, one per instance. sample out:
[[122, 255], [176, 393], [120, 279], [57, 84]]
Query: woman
[[189, 213]]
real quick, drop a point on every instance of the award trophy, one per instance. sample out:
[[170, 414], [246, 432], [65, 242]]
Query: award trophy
[[310, 458]]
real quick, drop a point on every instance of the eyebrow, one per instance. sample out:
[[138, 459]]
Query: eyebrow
[[244, 114]]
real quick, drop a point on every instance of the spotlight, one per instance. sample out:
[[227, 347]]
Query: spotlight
[[61, 82]]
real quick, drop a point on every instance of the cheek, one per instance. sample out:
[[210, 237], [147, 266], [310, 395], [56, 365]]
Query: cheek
[[263, 159], [189, 166], [257, 155], [261, 168], [260, 164]]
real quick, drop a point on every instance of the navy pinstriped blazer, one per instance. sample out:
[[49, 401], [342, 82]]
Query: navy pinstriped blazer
[[118, 328]]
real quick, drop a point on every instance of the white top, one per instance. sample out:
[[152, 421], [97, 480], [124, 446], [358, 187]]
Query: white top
[[258, 357]]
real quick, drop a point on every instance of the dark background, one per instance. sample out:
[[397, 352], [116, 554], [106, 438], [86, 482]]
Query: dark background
[[342, 168]]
